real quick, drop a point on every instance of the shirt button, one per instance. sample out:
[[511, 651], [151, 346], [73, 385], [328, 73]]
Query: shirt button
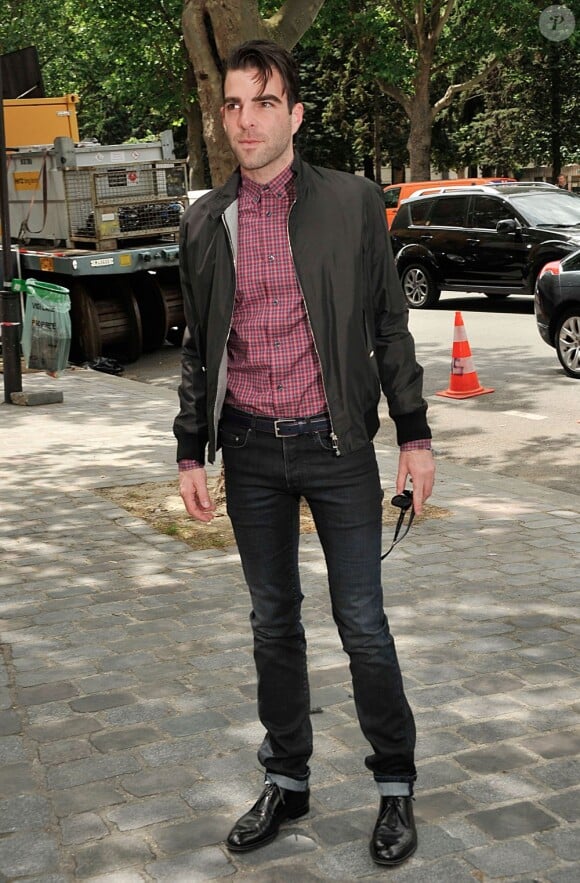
[[268, 213], [277, 344], [271, 258], [275, 302], [279, 386]]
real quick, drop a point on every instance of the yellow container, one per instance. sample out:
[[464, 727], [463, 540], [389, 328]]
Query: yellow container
[[31, 121]]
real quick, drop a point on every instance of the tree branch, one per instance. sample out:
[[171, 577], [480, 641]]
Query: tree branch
[[396, 93], [411, 25], [292, 21], [430, 33], [466, 86], [443, 19], [397, 7], [429, 25]]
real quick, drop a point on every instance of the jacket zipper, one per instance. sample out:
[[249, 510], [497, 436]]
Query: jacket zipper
[[333, 436]]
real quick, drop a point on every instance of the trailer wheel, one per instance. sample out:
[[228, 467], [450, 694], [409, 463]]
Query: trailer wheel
[[152, 309], [120, 321], [168, 281], [105, 319], [86, 342]]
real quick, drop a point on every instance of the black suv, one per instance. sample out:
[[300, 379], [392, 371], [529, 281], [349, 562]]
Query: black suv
[[493, 238]]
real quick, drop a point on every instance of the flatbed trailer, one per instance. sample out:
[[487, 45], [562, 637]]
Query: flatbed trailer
[[123, 302]]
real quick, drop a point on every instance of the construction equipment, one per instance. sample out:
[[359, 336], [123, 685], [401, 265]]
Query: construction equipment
[[101, 221]]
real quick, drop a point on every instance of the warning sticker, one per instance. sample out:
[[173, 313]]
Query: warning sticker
[[26, 180]]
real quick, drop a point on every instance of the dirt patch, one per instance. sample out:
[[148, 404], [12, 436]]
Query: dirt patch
[[159, 504]]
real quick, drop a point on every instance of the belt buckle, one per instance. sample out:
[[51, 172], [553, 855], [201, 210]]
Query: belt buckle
[[277, 423]]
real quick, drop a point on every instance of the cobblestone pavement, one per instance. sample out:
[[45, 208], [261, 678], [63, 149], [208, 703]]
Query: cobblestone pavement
[[127, 718]]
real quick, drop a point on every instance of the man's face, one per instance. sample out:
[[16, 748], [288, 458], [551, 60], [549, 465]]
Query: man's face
[[258, 124]]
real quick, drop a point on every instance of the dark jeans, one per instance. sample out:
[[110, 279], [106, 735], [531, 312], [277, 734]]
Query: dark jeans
[[265, 478]]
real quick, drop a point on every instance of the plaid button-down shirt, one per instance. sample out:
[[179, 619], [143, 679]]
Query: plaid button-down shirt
[[273, 367]]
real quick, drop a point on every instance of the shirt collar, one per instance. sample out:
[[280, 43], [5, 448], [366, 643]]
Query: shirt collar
[[278, 186]]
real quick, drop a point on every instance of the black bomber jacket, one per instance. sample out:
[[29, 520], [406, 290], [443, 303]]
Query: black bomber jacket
[[355, 307]]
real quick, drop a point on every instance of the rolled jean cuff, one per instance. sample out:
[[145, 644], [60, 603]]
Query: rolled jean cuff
[[286, 782], [390, 787]]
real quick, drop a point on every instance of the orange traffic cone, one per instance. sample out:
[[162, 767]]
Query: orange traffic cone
[[463, 382]]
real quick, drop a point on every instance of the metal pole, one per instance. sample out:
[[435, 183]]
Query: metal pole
[[9, 300]]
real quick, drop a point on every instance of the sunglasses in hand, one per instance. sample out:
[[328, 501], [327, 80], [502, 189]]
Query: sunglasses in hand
[[404, 502]]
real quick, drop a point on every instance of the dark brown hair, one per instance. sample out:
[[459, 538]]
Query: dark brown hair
[[267, 57]]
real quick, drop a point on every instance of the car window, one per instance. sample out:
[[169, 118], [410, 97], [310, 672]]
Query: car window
[[486, 211], [448, 211], [555, 208], [420, 211], [391, 197]]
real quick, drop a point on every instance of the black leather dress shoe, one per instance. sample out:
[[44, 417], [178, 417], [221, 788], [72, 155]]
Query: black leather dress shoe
[[261, 824], [395, 835]]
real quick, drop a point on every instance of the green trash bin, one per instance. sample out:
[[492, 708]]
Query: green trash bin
[[46, 332]]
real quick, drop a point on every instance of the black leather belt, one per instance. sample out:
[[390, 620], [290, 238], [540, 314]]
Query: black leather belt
[[281, 428]]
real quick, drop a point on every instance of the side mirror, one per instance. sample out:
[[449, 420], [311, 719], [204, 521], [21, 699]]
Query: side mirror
[[510, 225]]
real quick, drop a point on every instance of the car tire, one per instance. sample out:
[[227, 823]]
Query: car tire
[[567, 342], [419, 287]]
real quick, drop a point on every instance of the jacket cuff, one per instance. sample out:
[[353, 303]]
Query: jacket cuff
[[412, 427], [189, 448]]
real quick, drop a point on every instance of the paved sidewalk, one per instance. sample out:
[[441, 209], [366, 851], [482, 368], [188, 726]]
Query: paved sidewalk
[[127, 718]]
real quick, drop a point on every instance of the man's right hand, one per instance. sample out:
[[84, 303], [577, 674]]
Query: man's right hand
[[194, 493]]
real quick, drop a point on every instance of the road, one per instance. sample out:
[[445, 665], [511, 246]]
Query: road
[[528, 428]]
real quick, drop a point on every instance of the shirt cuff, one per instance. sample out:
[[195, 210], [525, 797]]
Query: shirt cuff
[[185, 465], [420, 444]]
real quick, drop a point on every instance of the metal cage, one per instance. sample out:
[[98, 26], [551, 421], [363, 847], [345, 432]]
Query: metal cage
[[125, 202]]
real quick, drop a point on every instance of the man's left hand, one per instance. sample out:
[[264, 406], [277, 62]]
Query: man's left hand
[[419, 466]]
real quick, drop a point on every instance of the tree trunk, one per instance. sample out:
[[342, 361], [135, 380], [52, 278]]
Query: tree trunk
[[195, 146], [200, 35], [419, 145], [193, 120], [421, 126]]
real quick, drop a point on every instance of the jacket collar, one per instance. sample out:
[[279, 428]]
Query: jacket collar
[[223, 196]]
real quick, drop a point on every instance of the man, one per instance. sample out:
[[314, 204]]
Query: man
[[561, 182], [295, 321]]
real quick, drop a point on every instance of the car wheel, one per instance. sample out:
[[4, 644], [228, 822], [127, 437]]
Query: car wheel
[[419, 287], [567, 340]]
